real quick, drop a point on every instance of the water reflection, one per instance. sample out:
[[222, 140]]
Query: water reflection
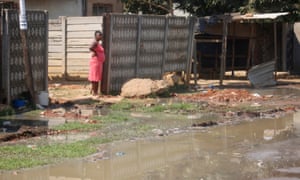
[[227, 152]]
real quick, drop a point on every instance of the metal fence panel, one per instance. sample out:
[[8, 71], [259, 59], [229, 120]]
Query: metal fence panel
[[122, 49], [144, 46], [12, 57]]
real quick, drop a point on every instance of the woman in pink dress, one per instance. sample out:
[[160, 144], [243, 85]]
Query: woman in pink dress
[[96, 63]]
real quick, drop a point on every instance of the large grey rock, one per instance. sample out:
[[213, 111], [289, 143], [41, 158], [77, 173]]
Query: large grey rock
[[143, 87]]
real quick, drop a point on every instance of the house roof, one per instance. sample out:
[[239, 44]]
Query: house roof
[[239, 17], [251, 16]]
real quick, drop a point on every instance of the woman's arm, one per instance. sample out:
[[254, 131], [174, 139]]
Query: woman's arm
[[92, 48]]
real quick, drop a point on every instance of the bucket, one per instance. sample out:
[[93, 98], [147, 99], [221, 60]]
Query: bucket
[[43, 98]]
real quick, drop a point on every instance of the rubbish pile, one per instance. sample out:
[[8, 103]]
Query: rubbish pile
[[223, 96]]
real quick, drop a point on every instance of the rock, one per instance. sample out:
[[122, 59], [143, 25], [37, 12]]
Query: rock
[[143, 87], [172, 79], [59, 111], [158, 132]]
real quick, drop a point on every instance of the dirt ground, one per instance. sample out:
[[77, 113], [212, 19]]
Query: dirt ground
[[72, 100]]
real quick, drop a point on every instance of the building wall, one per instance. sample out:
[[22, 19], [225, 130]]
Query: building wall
[[57, 8], [117, 5]]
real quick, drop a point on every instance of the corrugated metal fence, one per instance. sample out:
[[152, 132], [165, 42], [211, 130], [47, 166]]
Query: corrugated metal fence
[[135, 46], [69, 39], [144, 46], [13, 75]]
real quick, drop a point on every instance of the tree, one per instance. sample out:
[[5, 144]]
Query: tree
[[160, 7], [292, 6], [212, 7]]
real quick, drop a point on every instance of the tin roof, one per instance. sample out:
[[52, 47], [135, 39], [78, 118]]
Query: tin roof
[[251, 16]]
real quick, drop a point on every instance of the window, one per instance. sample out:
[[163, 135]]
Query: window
[[99, 9]]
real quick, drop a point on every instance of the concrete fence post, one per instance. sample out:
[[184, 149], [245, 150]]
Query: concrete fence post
[[64, 46]]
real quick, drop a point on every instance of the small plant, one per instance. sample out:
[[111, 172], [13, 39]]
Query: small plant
[[6, 110]]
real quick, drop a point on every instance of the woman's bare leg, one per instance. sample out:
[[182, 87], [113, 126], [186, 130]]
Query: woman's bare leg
[[96, 88]]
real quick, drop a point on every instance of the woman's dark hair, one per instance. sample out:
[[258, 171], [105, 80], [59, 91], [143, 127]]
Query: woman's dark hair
[[98, 32]]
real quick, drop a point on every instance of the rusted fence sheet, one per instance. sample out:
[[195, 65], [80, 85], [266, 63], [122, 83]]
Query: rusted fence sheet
[[144, 46], [13, 75]]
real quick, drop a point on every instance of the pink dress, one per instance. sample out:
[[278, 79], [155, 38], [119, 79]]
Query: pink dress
[[96, 64]]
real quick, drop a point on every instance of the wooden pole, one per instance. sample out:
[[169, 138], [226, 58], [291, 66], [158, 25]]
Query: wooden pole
[[224, 50], [233, 51], [275, 49], [26, 60]]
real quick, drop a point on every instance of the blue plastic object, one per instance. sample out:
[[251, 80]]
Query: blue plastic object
[[17, 103]]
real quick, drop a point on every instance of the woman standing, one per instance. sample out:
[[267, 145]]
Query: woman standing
[[96, 63]]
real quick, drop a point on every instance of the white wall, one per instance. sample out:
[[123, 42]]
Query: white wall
[[57, 8]]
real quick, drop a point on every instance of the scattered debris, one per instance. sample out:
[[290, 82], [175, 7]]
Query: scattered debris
[[205, 124], [223, 96], [120, 153]]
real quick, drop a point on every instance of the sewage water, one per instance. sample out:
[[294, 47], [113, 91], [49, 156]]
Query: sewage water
[[262, 149]]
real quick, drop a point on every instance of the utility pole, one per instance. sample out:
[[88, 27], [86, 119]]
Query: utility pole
[[26, 60]]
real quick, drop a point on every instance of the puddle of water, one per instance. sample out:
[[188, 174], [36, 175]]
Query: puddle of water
[[226, 152]]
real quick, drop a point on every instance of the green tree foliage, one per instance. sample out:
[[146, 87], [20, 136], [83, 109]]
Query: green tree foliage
[[213, 7], [292, 6], [160, 7]]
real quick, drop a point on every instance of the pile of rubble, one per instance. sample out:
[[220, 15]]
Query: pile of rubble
[[224, 96]]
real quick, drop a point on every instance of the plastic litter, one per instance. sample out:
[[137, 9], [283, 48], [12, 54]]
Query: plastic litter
[[120, 153]]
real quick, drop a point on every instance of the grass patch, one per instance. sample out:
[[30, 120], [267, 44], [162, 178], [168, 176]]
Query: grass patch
[[6, 110], [174, 107], [33, 113], [78, 126], [115, 117], [22, 156], [122, 106]]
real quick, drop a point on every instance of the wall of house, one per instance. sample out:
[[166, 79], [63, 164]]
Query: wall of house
[[117, 5], [57, 8]]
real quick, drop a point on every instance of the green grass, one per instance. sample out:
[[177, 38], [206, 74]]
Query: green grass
[[33, 113], [78, 126], [126, 105], [115, 117], [174, 107], [7, 111], [20, 156], [122, 106]]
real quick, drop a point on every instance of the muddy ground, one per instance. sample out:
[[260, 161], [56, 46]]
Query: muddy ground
[[236, 101]]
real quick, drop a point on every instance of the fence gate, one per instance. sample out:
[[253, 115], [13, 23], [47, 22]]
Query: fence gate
[[145, 46], [13, 75]]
